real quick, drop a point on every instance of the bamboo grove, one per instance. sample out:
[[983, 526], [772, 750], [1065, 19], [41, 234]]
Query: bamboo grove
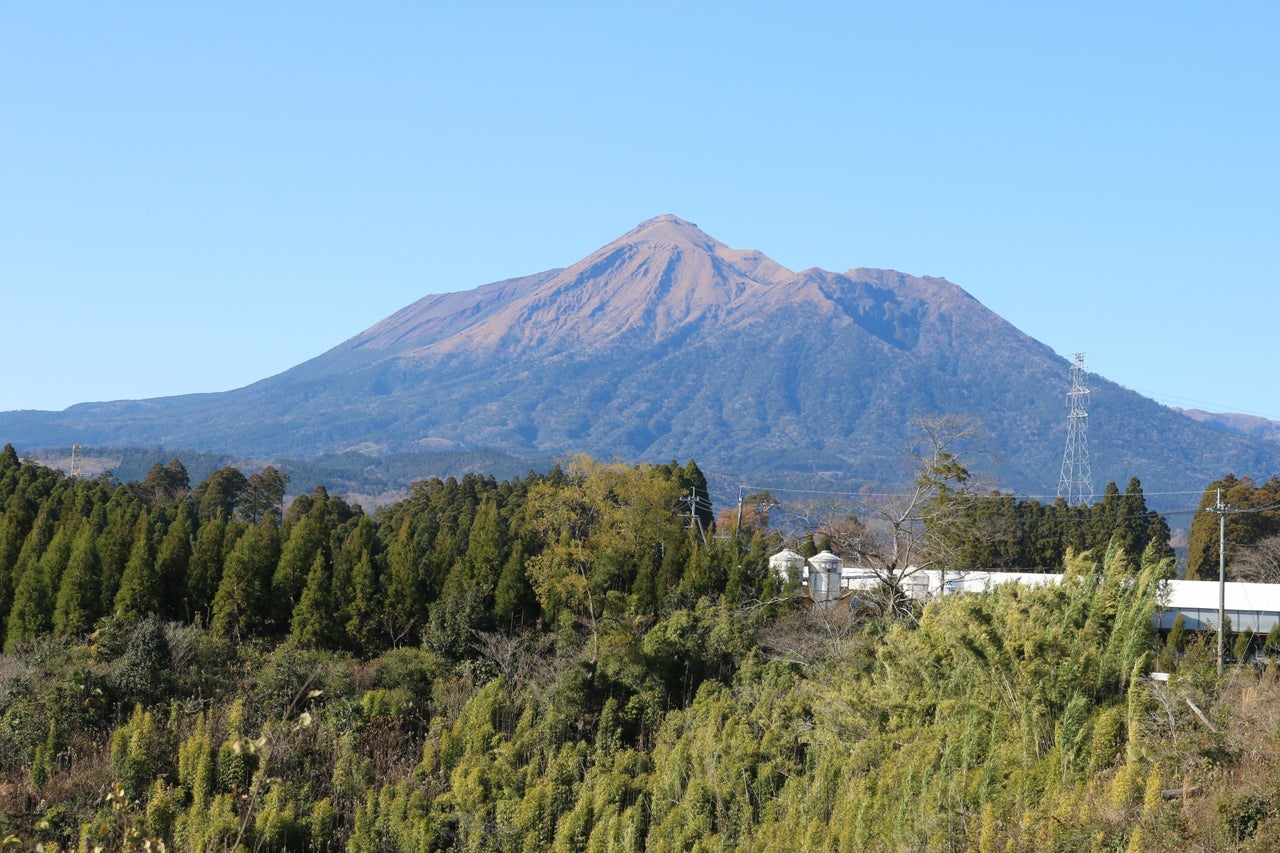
[[567, 662]]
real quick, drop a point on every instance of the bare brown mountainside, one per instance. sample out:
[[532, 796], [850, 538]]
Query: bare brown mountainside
[[667, 344]]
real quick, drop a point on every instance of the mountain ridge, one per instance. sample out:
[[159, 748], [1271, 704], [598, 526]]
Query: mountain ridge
[[666, 343]]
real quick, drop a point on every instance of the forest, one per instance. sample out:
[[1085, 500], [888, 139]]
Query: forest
[[589, 659]]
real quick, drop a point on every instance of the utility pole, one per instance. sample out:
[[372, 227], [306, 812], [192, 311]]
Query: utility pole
[[1220, 509], [694, 524], [737, 533]]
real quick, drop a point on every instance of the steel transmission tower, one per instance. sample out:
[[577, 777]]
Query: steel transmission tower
[[1076, 481]]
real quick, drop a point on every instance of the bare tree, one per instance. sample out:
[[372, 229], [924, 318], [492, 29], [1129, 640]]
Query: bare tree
[[1259, 562], [849, 537], [523, 658], [915, 530], [809, 636], [907, 533]]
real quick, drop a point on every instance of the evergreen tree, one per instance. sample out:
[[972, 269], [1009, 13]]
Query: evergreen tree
[[240, 605], [116, 542], [8, 460], [513, 599], [32, 611], [1104, 519], [405, 608], [693, 491], [40, 561], [219, 495], [204, 569], [165, 484], [486, 547], [77, 604], [1159, 538], [356, 585], [142, 676], [1243, 529], [139, 592], [363, 605], [455, 616], [466, 601], [306, 539], [263, 495], [54, 560], [173, 562], [37, 540], [1133, 526], [314, 622], [12, 533]]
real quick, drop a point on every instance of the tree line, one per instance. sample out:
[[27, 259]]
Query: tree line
[[453, 557], [582, 659]]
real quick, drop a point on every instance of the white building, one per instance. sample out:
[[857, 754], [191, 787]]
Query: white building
[[1249, 606]]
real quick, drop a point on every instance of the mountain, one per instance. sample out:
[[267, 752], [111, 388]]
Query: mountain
[[1253, 426], [667, 344]]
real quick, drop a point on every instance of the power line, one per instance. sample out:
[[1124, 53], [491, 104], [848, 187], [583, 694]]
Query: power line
[[1025, 521], [1047, 498]]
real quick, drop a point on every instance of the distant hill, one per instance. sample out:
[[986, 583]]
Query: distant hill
[[667, 344], [371, 481], [1253, 426]]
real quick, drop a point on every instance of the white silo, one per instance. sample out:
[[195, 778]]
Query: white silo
[[824, 578], [787, 565]]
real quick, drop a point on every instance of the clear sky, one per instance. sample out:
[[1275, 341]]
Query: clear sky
[[197, 196]]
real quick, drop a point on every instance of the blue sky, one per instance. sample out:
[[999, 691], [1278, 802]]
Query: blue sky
[[197, 196]]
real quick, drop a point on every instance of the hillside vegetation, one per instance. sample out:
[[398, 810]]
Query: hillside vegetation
[[562, 662]]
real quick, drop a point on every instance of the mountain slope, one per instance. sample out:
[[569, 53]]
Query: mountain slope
[[665, 344], [1253, 426]]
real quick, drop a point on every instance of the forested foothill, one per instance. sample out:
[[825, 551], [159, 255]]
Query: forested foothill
[[585, 659]]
